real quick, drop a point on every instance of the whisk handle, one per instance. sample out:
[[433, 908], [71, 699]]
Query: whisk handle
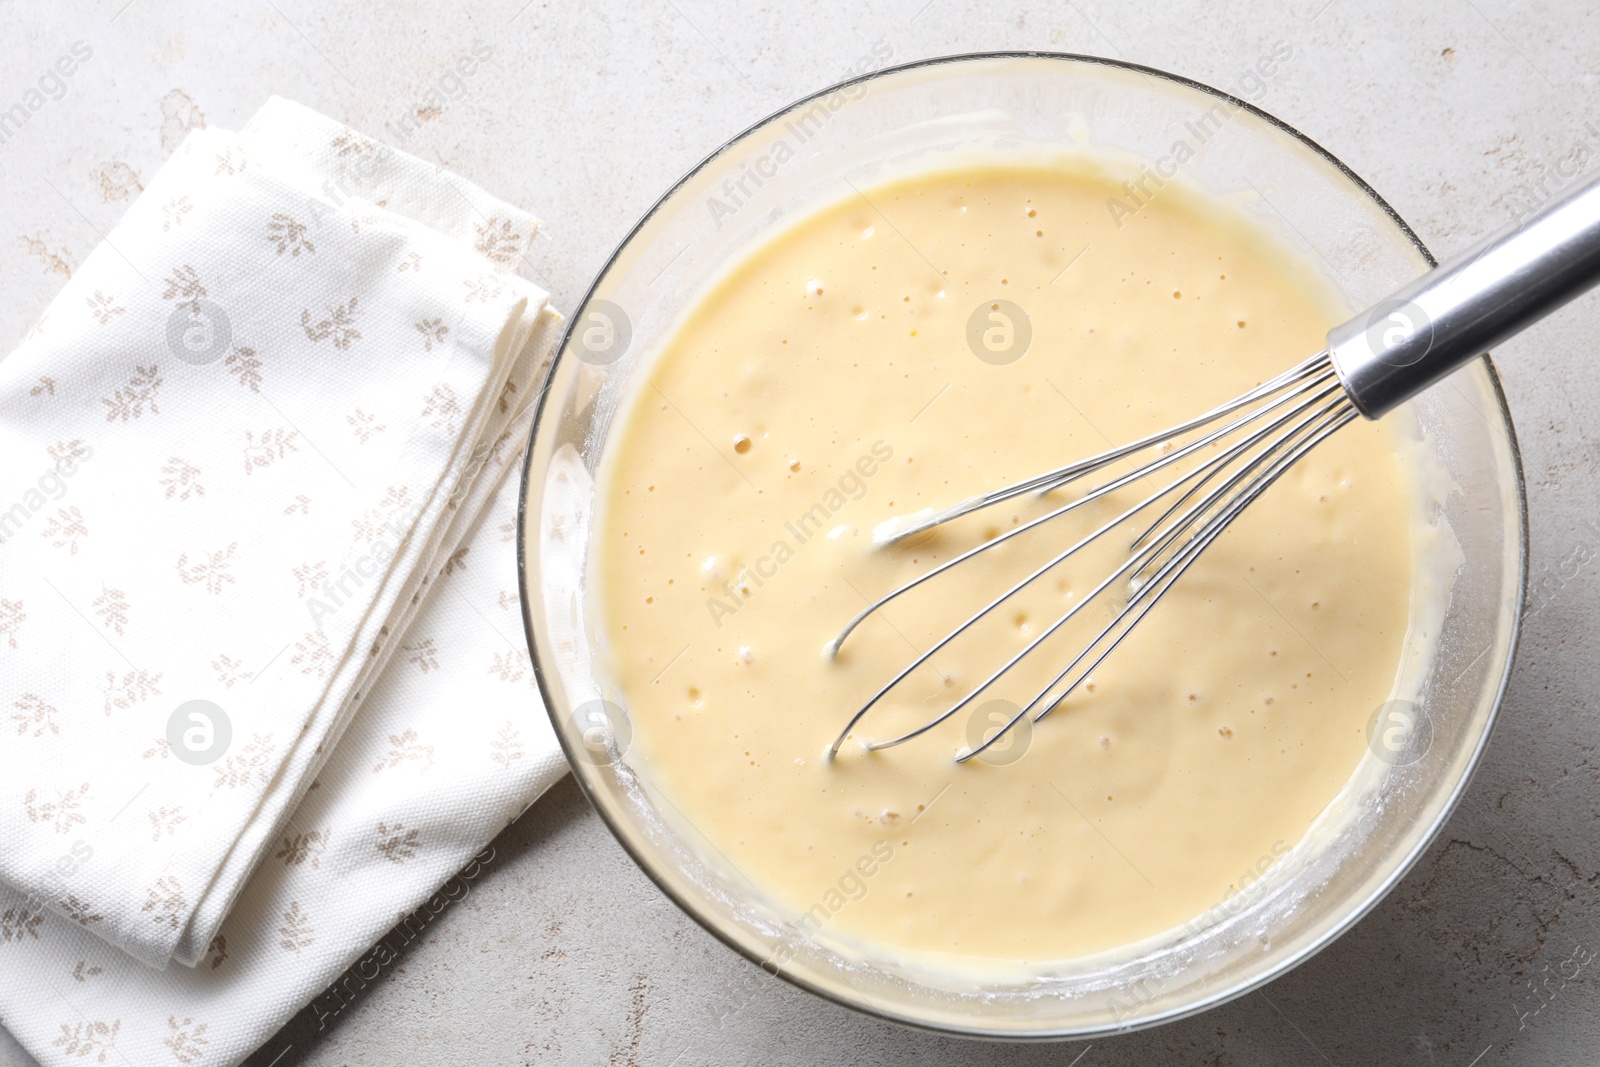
[[1458, 311]]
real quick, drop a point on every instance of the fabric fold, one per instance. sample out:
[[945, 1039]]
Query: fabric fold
[[436, 763], [243, 440]]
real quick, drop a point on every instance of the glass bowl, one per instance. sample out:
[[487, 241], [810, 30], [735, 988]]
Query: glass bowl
[[1011, 105]]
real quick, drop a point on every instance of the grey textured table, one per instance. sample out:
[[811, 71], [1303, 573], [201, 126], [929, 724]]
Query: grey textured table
[[563, 951]]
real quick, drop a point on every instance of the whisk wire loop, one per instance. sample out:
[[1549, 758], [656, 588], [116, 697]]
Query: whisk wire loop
[[1296, 411]]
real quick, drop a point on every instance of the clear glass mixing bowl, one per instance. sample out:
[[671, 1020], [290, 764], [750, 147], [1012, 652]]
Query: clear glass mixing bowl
[[1002, 106]]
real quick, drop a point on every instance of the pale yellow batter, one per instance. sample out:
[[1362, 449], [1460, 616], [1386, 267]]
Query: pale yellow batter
[[828, 384]]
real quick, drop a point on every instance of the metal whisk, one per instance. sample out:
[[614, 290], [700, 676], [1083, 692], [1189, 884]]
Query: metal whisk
[[1372, 364]]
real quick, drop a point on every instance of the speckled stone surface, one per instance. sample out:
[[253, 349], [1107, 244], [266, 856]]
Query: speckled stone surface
[[563, 952]]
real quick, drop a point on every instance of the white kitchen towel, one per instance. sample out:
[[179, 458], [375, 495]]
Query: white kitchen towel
[[236, 448], [450, 745]]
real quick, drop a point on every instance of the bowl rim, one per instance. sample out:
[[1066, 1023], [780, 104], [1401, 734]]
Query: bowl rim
[[1221, 997]]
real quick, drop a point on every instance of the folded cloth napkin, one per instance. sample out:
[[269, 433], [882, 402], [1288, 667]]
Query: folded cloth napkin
[[238, 447], [446, 750]]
